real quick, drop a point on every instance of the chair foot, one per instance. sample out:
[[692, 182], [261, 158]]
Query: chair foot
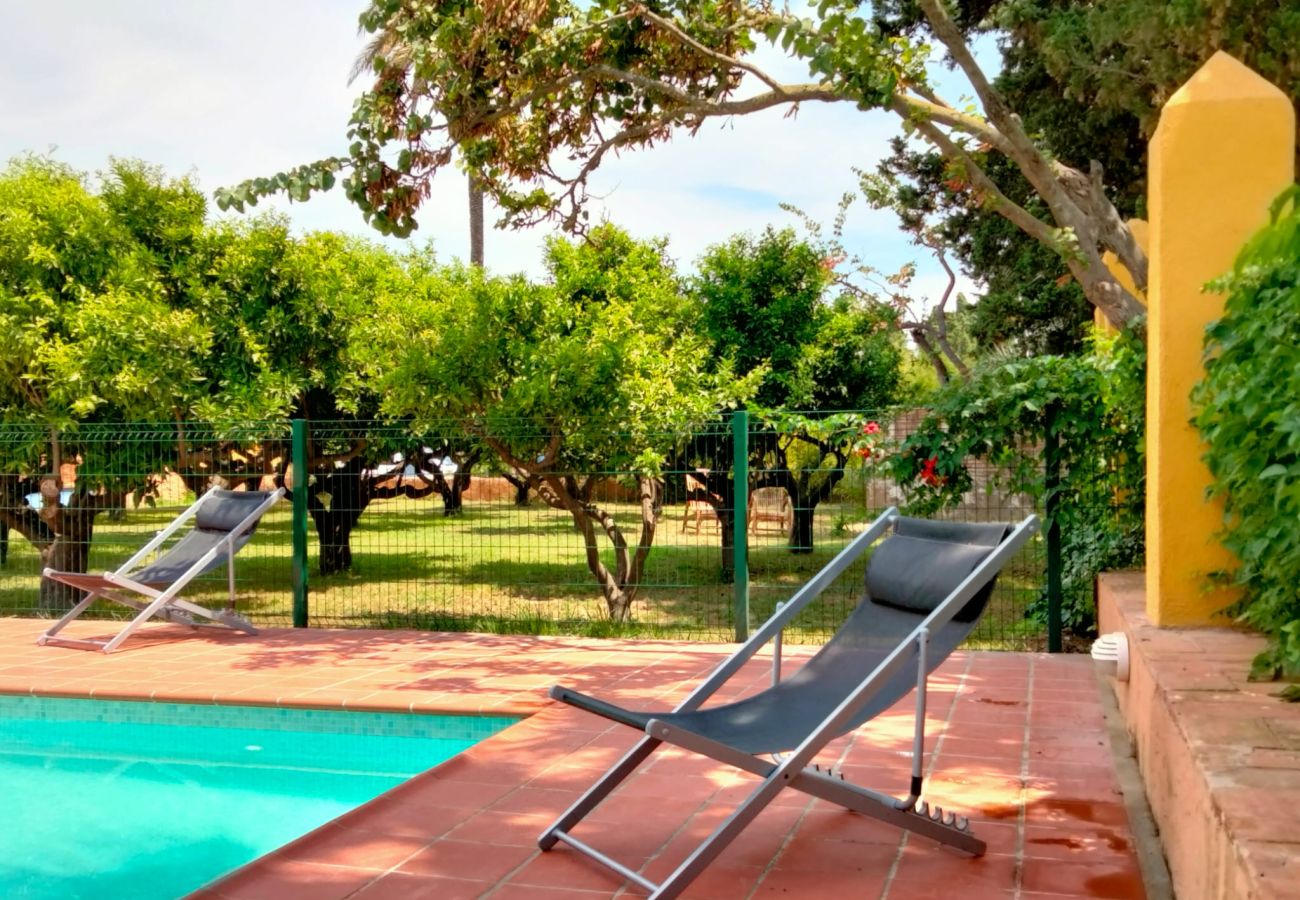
[[176, 617], [236, 621]]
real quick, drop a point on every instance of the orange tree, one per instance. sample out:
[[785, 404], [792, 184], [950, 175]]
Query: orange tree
[[598, 372]]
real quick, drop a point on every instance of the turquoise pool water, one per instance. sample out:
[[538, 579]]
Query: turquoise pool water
[[108, 799]]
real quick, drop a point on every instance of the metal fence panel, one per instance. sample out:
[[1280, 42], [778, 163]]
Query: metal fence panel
[[118, 485], [424, 527]]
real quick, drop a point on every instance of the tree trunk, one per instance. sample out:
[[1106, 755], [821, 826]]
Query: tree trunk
[[453, 499], [521, 489], [475, 222], [720, 493], [452, 502], [350, 495], [4, 543], [727, 530], [798, 483], [617, 602], [68, 552], [16, 515], [801, 531], [451, 490], [927, 348], [804, 499], [334, 536], [618, 588], [348, 499]]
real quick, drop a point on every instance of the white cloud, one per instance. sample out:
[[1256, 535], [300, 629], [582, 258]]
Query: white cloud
[[239, 88]]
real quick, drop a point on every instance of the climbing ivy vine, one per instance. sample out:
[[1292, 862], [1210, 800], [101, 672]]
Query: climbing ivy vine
[[1249, 414]]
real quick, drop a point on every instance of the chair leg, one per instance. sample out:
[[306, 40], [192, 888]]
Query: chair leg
[[923, 820], [723, 835], [598, 791], [918, 739], [68, 616], [143, 616], [702, 855], [230, 581]]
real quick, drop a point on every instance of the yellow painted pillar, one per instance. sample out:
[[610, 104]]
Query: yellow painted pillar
[[1224, 149], [1142, 235]]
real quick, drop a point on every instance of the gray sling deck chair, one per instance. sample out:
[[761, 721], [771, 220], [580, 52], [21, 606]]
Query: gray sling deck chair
[[926, 586], [224, 521]]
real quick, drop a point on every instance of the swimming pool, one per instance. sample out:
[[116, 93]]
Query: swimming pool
[[152, 800]]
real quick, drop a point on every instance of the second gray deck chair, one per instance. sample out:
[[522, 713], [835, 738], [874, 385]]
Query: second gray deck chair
[[224, 521], [926, 586]]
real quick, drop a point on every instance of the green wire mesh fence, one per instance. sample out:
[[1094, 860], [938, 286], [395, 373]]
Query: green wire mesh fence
[[518, 527], [89, 498]]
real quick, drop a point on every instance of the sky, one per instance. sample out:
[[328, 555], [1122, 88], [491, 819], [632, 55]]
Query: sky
[[224, 90]]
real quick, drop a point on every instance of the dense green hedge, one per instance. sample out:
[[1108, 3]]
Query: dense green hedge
[[1249, 414]]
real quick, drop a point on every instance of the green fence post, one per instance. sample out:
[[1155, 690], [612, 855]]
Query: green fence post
[[300, 478], [740, 519], [1051, 506]]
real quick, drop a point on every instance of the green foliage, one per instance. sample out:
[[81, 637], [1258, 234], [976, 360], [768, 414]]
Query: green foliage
[[1088, 79], [1093, 405], [1249, 414], [593, 371], [1150, 49], [1030, 302], [88, 331], [120, 303], [765, 310], [281, 310], [598, 373], [854, 362], [761, 302]]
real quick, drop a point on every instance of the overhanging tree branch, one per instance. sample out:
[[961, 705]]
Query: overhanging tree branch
[[526, 85]]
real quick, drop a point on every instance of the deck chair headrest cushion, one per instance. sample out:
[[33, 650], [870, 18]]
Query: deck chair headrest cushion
[[920, 564], [224, 510]]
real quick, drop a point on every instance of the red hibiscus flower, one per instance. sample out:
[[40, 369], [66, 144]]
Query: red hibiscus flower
[[928, 475]]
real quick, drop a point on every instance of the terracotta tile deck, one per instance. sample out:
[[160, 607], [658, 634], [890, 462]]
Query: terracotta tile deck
[[1017, 743]]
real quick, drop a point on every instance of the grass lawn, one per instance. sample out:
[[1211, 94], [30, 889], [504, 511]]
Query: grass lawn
[[501, 568]]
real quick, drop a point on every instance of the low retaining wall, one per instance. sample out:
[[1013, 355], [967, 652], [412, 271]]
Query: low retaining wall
[[1219, 756]]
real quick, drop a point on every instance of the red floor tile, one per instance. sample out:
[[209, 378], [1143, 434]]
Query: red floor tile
[[1115, 880], [400, 886], [468, 860]]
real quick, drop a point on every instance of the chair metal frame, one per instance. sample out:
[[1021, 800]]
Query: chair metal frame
[[165, 603], [795, 769]]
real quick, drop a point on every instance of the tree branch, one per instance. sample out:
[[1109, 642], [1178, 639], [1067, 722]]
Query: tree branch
[[1090, 193], [1085, 208], [689, 103], [330, 459], [1019, 147], [673, 29], [920, 334], [916, 110], [1000, 202], [940, 316]]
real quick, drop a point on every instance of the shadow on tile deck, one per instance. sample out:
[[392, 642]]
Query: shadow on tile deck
[[1017, 742]]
